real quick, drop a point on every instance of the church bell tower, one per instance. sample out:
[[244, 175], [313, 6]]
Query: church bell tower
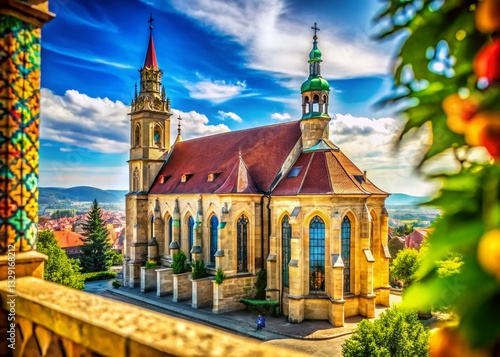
[[150, 123], [315, 95]]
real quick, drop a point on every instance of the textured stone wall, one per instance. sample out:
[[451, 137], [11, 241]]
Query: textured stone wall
[[203, 292], [351, 306], [148, 279], [227, 295], [316, 309], [182, 287], [164, 282]]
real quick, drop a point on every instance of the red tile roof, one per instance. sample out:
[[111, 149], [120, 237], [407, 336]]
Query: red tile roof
[[248, 161], [326, 172], [68, 239], [263, 151]]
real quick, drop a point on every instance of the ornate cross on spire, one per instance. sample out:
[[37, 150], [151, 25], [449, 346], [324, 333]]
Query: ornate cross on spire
[[179, 125], [315, 28], [151, 23]]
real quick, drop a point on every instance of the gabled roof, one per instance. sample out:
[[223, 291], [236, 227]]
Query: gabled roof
[[239, 180], [263, 151], [326, 172]]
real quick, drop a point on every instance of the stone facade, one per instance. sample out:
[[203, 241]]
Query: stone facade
[[148, 279], [203, 292], [182, 287], [227, 296], [164, 281]]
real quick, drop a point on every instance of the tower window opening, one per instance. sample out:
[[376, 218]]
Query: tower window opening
[[315, 107]]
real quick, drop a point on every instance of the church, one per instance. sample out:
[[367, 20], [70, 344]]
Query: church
[[281, 198]]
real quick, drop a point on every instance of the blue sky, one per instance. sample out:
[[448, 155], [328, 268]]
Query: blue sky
[[228, 65]]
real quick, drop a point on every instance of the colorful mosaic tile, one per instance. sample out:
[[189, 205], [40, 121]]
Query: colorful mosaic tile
[[19, 122]]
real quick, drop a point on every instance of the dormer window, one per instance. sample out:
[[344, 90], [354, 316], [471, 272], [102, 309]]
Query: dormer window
[[164, 178], [212, 176], [185, 177]]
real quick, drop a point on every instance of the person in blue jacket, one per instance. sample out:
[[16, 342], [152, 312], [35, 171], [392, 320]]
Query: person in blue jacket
[[261, 322]]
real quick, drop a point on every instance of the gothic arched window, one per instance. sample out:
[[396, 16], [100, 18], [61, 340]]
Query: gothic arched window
[[345, 238], [157, 136], [190, 233], [137, 135], [242, 231], [307, 105], [170, 230], [286, 233], [317, 254], [214, 237]]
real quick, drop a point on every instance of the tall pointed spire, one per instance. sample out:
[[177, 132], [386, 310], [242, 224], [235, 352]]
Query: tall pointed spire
[[150, 60]]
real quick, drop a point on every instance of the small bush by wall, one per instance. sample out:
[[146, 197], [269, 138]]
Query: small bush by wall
[[263, 307], [99, 275]]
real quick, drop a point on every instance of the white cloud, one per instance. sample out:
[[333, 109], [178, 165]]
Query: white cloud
[[277, 44], [215, 91], [223, 115], [371, 145], [194, 125], [75, 119], [279, 116], [101, 125]]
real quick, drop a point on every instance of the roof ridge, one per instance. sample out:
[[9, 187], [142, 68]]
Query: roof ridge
[[306, 172], [242, 130]]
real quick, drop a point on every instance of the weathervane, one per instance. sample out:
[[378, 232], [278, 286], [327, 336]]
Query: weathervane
[[179, 125], [151, 23]]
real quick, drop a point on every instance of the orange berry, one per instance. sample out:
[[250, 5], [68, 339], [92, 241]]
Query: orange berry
[[488, 252], [484, 130], [488, 16], [459, 112]]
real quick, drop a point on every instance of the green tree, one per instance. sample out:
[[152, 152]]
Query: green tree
[[395, 245], [397, 333], [403, 230], [58, 268], [96, 251], [63, 213], [405, 265]]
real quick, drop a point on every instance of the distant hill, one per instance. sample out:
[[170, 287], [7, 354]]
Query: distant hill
[[50, 195], [400, 199]]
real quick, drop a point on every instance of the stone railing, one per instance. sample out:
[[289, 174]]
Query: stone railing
[[52, 320]]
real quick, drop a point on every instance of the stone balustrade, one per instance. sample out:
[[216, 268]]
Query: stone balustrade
[[51, 320]]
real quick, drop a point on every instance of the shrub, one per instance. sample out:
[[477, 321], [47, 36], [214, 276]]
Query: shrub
[[219, 276], [396, 333], [99, 275], [180, 264], [151, 264], [199, 270], [116, 259], [263, 307], [117, 284], [404, 267], [261, 285]]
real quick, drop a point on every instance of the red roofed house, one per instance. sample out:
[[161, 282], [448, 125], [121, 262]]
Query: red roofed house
[[415, 238], [282, 198], [70, 242]]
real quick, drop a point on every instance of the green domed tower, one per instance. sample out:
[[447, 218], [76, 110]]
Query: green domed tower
[[315, 91]]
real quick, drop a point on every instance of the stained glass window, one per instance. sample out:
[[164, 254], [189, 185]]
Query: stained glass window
[[190, 232], [286, 233], [317, 255], [345, 237], [214, 236], [242, 231]]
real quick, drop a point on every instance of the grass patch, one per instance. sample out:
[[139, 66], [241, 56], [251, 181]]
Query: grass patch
[[99, 275]]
